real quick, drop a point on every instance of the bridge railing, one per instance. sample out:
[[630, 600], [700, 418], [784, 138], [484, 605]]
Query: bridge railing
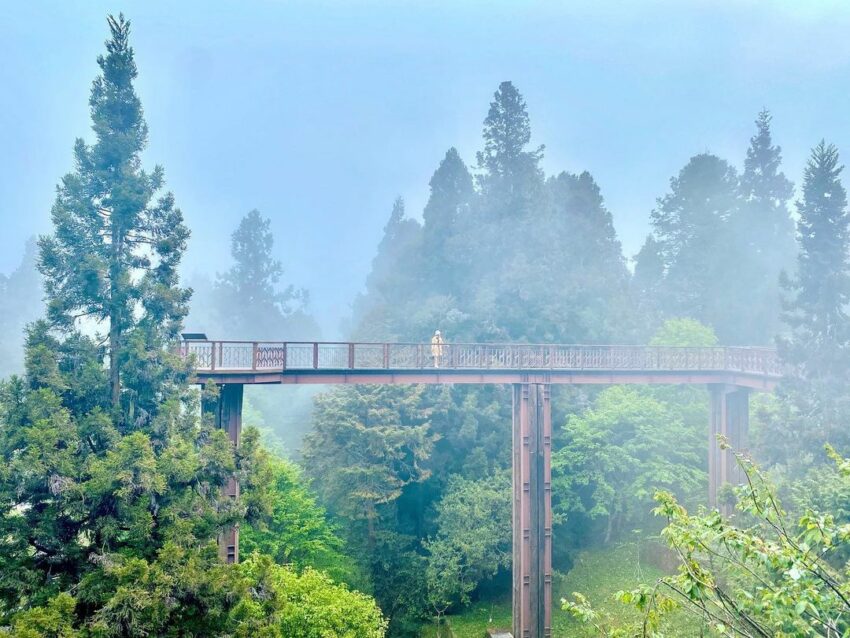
[[261, 356]]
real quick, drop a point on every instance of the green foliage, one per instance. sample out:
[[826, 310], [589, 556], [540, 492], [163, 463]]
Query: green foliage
[[305, 605], [692, 226], [112, 258], [368, 443], [111, 487], [765, 236], [817, 347], [191, 593], [370, 447], [297, 532], [720, 241], [684, 332], [821, 289], [473, 538], [617, 454], [758, 574], [510, 173], [451, 195]]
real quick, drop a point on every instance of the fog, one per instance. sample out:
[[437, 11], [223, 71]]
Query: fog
[[585, 275], [320, 114]]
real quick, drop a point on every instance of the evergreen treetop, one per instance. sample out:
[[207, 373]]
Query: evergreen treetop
[[112, 258], [816, 310]]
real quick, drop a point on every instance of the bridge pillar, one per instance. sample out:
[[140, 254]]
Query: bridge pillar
[[532, 511], [227, 412], [730, 416]]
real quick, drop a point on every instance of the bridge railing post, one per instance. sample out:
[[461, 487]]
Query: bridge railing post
[[315, 355], [254, 352]]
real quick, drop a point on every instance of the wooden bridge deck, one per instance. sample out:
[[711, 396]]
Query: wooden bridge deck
[[259, 362]]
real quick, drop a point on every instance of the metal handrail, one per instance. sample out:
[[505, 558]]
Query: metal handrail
[[252, 356]]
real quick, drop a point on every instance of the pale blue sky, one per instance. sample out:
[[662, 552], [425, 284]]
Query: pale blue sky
[[320, 113]]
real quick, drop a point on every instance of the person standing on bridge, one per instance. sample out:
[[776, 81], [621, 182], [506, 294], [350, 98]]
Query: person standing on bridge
[[437, 348]]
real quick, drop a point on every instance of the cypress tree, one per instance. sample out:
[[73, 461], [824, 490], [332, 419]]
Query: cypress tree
[[451, 194], [118, 239], [692, 227], [248, 299], [819, 292], [764, 233], [511, 175]]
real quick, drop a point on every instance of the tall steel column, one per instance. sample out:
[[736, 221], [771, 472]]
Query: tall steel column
[[730, 416], [532, 511], [227, 412]]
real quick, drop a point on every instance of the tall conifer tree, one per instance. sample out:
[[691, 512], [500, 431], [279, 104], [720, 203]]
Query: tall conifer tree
[[108, 472], [451, 195], [764, 233], [692, 225], [248, 298], [817, 343], [118, 240], [816, 311], [511, 174]]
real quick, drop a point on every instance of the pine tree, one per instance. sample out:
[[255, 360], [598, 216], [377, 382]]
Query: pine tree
[[816, 310], [764, 232], [248, 300], [107, 472], [113, 256], [450, 198], [511, 175], [765, 192], [692, 225], [394, 281]]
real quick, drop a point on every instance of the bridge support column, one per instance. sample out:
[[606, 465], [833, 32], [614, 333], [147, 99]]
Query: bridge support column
[[532, 511], [227, 413], [730, 417]]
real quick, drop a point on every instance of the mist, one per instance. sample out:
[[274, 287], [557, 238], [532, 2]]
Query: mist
[[626, 91], [425, 320]]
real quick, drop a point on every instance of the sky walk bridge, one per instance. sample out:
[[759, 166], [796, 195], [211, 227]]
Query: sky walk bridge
[[730, 373], [260, 362]]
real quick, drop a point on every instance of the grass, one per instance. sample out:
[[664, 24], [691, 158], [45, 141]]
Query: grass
[[597, 573]]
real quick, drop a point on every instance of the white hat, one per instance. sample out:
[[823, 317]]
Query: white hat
[[436, 332]]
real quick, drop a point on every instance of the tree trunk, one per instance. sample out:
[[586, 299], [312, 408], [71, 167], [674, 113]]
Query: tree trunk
[[115, 317]]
